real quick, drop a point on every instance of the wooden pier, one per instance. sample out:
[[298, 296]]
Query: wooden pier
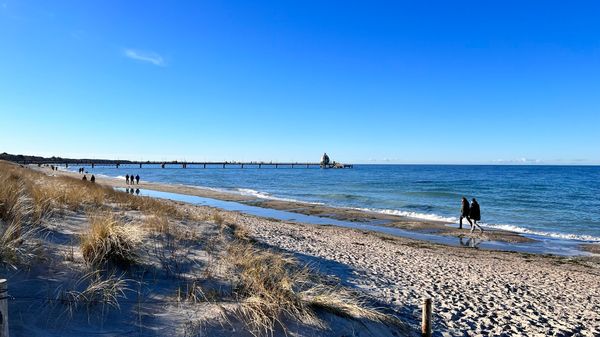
[[179, 164]]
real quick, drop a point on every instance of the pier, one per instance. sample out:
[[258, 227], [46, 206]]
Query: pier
[[180, 164]]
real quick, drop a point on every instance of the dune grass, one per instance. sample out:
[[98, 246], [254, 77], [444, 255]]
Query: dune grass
[[17, 246], [272, 287], [92, 290], [110, 241]]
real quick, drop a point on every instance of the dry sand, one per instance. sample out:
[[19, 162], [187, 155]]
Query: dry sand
[[475, 292]]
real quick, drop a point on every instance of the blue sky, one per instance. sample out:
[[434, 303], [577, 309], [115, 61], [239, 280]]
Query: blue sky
[[391, 82]]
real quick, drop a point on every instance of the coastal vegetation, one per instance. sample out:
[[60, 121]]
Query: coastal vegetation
[[88, 252]]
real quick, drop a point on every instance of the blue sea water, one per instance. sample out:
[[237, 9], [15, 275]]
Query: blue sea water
[[556, 201]]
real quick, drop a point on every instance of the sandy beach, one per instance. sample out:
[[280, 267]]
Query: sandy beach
[[475, 292]]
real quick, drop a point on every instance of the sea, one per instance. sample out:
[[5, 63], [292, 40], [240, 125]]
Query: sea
[[553, 201]]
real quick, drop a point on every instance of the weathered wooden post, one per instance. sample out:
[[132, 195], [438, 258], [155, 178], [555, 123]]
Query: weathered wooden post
[[426, 318], [3, 308]]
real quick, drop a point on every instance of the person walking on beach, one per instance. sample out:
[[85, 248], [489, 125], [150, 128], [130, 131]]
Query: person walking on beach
[[464, 212], [127, 179], [475, 215], [137, 179]]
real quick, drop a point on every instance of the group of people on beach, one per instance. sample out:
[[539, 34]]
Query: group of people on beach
[[471, 212], [130, 179], [92, 178]]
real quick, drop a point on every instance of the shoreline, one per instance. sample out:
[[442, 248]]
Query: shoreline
[[415, 228]]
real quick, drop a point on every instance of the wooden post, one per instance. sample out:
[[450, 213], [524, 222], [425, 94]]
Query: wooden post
[[3, 308], [426, 318]]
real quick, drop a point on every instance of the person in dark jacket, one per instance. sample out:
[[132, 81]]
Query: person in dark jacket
[[84, 178], [464, 212], [475, 215], [137, 179], [127, 179], [93, 179]]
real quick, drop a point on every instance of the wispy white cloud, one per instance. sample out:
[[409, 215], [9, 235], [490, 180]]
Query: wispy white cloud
[[518, 161], [145, 56]]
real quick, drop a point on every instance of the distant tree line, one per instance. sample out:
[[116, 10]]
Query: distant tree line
[[19, 158]]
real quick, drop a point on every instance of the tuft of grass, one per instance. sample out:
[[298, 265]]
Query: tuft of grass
[[217, 218], [92, 290], [344, 303], [109, 241], [265, 287], [149, 205], [271, 287], [13, 198], [191, 292], [17, 237], [17, 244], [157, 224]]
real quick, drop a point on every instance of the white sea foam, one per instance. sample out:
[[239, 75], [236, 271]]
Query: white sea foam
[[416, 215], [265, 195], [510, 228], [555, 235]]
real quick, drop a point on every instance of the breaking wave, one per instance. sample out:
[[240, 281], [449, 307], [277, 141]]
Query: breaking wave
[[510, 228], [416, 215], [264, 195], [555, 235]]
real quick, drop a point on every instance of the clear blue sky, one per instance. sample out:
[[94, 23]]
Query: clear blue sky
[[398, 82]]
